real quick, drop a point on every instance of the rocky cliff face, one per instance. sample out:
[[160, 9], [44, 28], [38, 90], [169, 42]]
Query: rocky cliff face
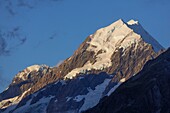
[[147, 92], [119, 50]]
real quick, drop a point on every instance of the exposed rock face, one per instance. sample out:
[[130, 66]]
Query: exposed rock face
[[147, 92], [120, 50]]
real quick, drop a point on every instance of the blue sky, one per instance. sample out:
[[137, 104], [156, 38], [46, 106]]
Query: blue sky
[[49, 31]]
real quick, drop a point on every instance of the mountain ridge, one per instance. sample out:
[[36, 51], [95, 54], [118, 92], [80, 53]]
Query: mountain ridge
[[120, 54]]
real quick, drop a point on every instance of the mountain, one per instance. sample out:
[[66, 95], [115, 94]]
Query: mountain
[[103, 61], [147, 92]]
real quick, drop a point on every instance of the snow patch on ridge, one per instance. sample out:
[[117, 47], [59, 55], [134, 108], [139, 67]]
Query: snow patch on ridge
[[38, 107], [93, 97], [33, 68], [13, 101], [132, 22], [116, 86]]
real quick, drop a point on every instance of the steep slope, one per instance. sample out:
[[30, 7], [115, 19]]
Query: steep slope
[[147, 92], [120, 50]]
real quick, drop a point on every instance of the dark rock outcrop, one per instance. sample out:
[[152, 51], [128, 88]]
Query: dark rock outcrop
[[147, 92]]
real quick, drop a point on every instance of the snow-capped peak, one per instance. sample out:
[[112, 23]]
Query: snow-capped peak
[[34, 68], [108, 39], [118, 23]]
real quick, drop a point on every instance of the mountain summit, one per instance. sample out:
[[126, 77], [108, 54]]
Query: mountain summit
[[103, 61], [106, 41]]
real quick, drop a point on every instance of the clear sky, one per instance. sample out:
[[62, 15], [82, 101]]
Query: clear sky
[[49, 31]]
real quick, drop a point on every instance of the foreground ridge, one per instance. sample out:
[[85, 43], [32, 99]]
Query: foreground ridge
[[144, 93]]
